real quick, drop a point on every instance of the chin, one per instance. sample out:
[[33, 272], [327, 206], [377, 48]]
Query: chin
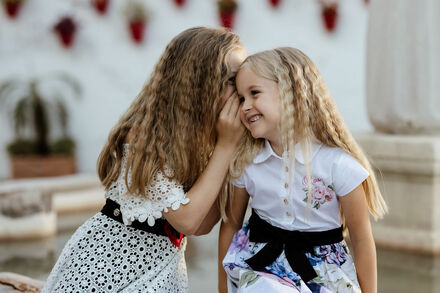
[[256, 135]]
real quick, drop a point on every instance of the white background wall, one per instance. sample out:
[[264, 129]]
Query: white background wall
[[112, 69]]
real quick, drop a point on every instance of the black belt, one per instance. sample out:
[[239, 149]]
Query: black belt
[[161, 226], [294, 243]]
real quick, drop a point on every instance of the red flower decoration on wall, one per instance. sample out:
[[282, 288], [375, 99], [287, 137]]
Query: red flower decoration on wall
[[227, 10], [275, 3], [65, 28], [12, 7], [101, 5], [180, 3], [330, 16], [137, 29]]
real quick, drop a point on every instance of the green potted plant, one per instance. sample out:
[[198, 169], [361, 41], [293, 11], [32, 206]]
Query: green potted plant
[[33, 111]]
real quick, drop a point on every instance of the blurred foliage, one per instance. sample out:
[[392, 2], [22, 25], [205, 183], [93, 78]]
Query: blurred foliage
[[32, 107], [22, 147], [63, 146], [136, 11], [227, 5]]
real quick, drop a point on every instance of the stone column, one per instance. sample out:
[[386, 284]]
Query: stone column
[[403, 99], [403, 66]]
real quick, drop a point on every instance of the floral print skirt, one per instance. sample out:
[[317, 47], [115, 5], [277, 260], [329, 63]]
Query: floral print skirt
[[332, 263]]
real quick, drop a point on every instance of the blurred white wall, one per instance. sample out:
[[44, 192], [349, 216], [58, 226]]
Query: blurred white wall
[[112, 69]]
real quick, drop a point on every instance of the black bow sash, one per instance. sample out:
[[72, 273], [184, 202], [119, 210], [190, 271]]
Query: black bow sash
[[294, 243]]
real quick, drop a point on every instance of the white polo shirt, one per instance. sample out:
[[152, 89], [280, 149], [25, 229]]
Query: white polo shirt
[[334, 173]]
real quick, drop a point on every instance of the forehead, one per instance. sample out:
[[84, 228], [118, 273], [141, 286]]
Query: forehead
[[247, 78], [247, 75]]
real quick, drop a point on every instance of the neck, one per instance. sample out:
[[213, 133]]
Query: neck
[[276, 147]]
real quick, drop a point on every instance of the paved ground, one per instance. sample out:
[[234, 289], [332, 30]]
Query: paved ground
[[201, 260], [398, 271]]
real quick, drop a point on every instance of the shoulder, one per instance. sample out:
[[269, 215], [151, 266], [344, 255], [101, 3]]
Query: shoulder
[[330, 152], [346, 171], [240, 180], [335, 156]]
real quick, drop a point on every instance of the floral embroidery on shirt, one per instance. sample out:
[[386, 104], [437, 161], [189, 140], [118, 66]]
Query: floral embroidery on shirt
[[321, 193]]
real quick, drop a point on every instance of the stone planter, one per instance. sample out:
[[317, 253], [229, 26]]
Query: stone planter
[[36, 166], [408, 171]]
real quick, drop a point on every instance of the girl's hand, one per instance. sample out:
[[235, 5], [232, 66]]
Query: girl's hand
[[229, 126]]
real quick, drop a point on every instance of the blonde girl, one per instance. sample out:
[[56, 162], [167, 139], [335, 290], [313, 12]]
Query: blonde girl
[[308, 180], [163, 166]]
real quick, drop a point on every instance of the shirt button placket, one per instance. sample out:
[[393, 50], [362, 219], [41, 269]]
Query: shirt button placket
[[285, 200], [286, 192]]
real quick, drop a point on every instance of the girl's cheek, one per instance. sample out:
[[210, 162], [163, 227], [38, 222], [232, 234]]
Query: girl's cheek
[[243, 120]]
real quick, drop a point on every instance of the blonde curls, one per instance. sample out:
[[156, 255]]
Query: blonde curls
[[173, 117], [308, 113]]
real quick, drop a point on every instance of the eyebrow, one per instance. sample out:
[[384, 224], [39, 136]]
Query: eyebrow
[[252, 87], [249, 88]]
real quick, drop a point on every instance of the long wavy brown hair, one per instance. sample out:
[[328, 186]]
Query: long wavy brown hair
[[308, 113], [173, 118]]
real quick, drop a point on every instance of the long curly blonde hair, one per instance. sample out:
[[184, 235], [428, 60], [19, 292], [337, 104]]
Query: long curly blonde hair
[[173, 117], [308, 113]]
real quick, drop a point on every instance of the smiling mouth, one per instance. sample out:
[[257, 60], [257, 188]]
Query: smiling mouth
[[254, 118]]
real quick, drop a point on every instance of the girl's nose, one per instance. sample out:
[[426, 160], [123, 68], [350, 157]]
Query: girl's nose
[[247, 105]]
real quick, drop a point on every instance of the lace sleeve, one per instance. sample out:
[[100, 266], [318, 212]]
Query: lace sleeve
[[167, 193], [163, 193]]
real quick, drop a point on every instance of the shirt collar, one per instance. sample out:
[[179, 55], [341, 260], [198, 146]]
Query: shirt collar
[[267, 152]]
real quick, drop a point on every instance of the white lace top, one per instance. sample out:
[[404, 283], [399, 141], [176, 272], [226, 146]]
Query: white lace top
[[162, 194], [104, 255]]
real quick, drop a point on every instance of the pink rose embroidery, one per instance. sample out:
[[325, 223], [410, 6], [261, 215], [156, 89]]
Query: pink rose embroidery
[[321, 193]]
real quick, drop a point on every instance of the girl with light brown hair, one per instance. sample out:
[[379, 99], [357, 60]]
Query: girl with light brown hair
[[163, 166], [308, 180]]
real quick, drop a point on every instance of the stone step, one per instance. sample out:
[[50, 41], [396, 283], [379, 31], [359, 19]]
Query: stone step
[[29, 207], [51, 184]]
